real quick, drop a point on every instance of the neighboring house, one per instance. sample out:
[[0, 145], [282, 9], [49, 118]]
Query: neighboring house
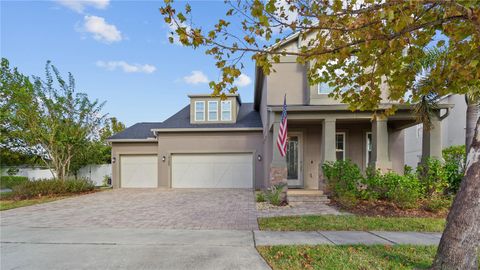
[[453, 130], [214, 143]]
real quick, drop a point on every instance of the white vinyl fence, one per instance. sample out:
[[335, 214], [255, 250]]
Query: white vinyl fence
[[96, 173]]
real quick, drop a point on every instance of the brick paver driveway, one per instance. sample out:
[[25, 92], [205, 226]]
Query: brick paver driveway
[[143, 208]]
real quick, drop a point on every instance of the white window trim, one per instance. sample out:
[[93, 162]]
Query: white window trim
[[229, 109], [366, 146], [195, 114], [344, 143], [216, 110]]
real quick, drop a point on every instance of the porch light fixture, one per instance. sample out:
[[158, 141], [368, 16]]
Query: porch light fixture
[[259, 158], [114, 159], [163, 158]]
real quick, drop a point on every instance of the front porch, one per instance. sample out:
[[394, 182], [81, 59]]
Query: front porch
[[319, 134]]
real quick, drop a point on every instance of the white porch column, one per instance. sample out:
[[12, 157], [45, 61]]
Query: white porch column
[[328, 148], [432, 140], [328, 140], [380, 157]]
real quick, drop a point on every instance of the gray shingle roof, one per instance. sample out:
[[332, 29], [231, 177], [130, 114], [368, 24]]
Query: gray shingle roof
[[247, 118], [137, 131]]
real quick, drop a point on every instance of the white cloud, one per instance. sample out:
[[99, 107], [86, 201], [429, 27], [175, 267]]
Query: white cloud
[[243, 80], [288, 17], [172, 28], [196, 77], [101, 30], [126, 67], [80, 5]]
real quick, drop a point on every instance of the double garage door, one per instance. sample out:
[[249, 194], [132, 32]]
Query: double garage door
[[190, 171]]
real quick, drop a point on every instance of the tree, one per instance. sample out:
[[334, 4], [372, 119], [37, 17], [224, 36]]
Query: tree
[[98, 151], [358, 47], [49, 118], [473, 102]]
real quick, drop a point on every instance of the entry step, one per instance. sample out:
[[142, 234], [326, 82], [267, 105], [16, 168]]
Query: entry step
[[307, 196]]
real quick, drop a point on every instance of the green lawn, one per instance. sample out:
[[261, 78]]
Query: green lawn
[[351, 223], [348, 257], [7, 203], [10, 204]]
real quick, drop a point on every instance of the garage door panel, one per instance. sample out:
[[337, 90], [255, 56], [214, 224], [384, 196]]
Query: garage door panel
[[139, 171], [212, 171]]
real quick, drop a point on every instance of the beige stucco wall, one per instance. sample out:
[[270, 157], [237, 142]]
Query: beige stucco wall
[[210, 142], [289, 79], [129, 148]]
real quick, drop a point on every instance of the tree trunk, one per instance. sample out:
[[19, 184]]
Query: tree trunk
[[472, 116], [458, 247]]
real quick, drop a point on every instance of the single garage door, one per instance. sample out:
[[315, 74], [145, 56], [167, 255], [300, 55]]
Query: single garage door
[[138, 171], [212, 171]]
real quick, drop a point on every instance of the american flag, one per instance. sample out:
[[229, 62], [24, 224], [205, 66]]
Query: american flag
[[282, 133]]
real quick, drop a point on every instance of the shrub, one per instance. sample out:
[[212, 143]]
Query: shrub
[[432, 177], [50, 187], [454, 166], [437, 203], [375, 187], [407, 170], [403, 190], [261, 197], [342, 176], [347, 199], [274, 194], [11, 181], [106, 181], [12, 171]]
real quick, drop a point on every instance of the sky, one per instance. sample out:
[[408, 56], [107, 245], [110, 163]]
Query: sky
[[118, 52]]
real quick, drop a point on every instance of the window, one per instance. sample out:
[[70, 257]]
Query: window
[[199, 110], [368, 145], [212, 110], [324, 88], [340, 145], [226, 110]]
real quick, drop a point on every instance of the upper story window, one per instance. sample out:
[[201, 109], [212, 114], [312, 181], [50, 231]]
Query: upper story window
[[226, 110], [199, 110], [213, 111], [324, 88], [340, 145]]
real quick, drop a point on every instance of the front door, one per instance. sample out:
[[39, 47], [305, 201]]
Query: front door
[[295, 160]]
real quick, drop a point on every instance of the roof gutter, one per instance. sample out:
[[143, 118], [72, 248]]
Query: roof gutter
[[344, 107], [132, 140], [165, 130]]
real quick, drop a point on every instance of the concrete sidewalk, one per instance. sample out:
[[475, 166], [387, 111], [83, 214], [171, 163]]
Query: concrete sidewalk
[[132, 248], [271, 238]]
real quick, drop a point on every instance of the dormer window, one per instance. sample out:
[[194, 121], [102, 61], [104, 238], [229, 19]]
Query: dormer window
[[213, 111], [226, 110], [199, 110]]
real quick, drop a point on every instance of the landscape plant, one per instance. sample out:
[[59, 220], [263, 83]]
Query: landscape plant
[[433, 177], [51, 187], [10, 181], [274, 194], [347, 185], [454, 166]]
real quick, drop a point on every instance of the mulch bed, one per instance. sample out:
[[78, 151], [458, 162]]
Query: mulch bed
[[387, 209]]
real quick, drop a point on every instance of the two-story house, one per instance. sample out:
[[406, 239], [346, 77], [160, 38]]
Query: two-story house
[[215, 143]]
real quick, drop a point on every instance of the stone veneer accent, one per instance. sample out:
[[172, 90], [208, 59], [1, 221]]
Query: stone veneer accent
[[278, 175]]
